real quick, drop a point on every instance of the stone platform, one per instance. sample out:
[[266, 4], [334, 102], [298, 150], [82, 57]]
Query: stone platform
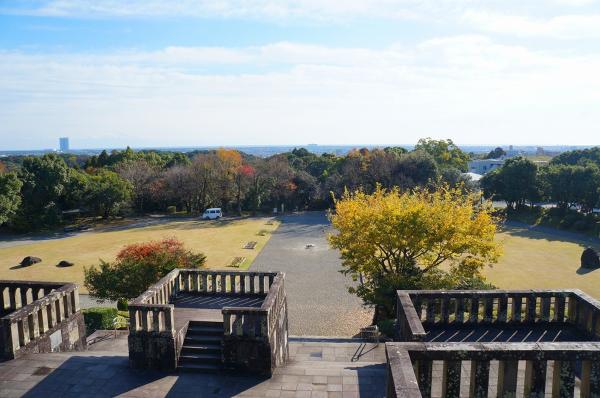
[[317, 368]]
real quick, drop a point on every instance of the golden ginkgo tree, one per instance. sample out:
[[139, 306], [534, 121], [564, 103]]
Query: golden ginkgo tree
[[419, 239]]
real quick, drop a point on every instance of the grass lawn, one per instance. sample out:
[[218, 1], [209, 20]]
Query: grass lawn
[[221, 241], [535, 259]]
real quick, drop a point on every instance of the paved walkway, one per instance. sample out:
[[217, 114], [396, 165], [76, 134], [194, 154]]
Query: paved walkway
[[318, 300], [316, 369]]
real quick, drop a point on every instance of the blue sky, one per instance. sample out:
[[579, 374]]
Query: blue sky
[[193, 72]]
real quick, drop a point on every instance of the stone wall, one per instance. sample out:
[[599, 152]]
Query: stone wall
[[153, 350], [69, 335]]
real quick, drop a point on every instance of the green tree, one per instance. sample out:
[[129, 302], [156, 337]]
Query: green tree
[[138, 266], [571, 185], [516, 182], [45, 181], [107, 192], [390, 240], [497, 153], [445, 153], [10, 198]]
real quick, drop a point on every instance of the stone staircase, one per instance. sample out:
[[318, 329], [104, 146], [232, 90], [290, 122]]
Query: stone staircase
[[202, 347]]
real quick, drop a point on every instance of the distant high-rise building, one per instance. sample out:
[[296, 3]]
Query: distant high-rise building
[[64, 144]]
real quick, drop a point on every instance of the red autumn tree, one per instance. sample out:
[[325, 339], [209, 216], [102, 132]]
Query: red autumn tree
[[137, 266]]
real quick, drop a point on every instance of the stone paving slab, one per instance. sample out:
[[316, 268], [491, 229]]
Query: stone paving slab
[[316, 369]]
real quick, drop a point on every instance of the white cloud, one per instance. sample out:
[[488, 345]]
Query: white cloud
[[560, 27], [468, 88]]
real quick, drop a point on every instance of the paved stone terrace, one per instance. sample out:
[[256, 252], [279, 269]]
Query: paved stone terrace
[[316, 369], [318, 300]]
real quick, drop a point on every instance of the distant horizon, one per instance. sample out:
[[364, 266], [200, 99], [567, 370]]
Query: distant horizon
[[281, 148]]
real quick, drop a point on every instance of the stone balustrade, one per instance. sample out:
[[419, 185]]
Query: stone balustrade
[[251, 333], [410, 360], [155, 343], [411, 364], [226, 282], [33, 311], [427, 307]]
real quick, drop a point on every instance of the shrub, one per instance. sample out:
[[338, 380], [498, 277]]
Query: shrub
[[99, 318], [387, 327], [138, 266], [171, 209], [122, 304]]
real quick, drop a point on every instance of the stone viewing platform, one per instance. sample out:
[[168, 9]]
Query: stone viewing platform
[[501, 343], [211, 320], [39, 317]]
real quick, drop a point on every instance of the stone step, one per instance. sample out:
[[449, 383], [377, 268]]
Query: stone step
[[202, 348], [187, 358], [202, 339], [205, 330]]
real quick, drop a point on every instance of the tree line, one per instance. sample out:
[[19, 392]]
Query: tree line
[[49, 190], [571, 180]]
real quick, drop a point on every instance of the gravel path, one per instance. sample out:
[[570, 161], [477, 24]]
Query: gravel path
[[318, 300]]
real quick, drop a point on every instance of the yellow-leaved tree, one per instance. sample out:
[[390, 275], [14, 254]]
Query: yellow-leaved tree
[[419, 239]]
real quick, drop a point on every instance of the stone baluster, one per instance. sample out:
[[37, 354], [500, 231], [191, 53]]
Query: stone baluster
[[488, 309], [423, 372], [156, 320], [134, 322], [12, 297], [3, 302], [42, 315], [535, 379], [430, 311], [242, 284], [459, 314], [572, 315], [66, 299], [59, 310], [545, 309], [517, 304], [75, 300], [474, 313], [169, 315], [144, 315], [502, 308], [32, 324], [480, 376], [23, 332], [563, 379], [51, 311], [531, 304], [451, 379], [507, 378], [251, 281], [213, 282], [204, 283], [444, 309], [11, 330], [590, 379], [559, 308]]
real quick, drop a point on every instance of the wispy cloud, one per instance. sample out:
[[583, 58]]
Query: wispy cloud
[[466, 87], [560, 27]]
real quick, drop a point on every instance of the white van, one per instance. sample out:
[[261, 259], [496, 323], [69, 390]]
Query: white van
[[212, 214]]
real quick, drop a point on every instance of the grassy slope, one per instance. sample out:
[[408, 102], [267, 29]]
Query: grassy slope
[[541, 260], [221, 241]]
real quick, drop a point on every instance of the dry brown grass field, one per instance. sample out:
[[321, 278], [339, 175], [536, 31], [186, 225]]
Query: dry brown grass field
[[221, 241]]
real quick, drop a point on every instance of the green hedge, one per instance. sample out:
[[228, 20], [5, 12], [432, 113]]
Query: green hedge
[[99, 318]]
